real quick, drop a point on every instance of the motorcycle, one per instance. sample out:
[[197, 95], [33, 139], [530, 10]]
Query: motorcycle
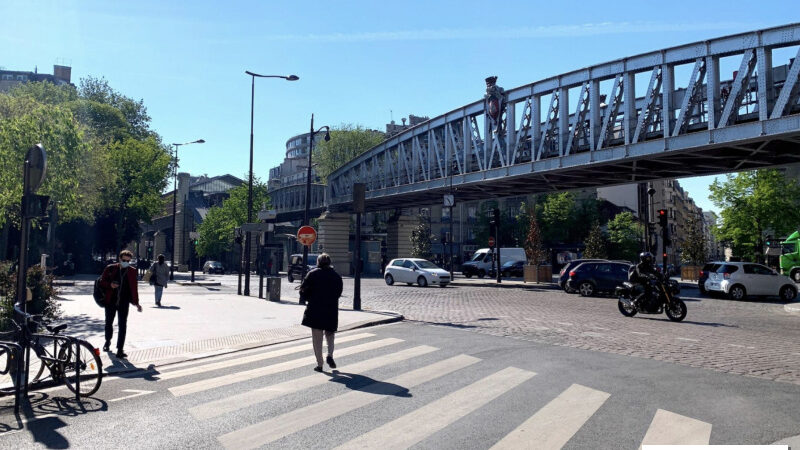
[[662, 300]]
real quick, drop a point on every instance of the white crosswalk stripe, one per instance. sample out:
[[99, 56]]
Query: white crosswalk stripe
[[668, 428], [271, 430], [245, 399], [555, 424], [168, 375], [236, 377], [415, 426]]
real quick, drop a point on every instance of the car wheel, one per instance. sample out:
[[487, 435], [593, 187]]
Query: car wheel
[[796, 275], [422, 281], [468, 275], [787, 293], [481, 273], [586, 289], [290, 277], [389, 279], [737, 292], [410, 284]]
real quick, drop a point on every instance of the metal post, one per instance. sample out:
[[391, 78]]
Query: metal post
[[249, 192], [307, 212], [22, 293], [192, 259], [183, 230], [239, 270], [261, 271], [357, 266], [497, 242], [450, 241], [174, 210]]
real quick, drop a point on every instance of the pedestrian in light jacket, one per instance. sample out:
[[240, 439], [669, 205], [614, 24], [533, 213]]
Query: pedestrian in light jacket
[[119, 283], [321, 289], [159, 277]]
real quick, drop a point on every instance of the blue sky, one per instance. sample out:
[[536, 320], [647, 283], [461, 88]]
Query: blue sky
[[357, 60]]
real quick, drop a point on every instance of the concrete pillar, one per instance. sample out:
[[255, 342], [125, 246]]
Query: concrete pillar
[[398, 236], [333, 237]]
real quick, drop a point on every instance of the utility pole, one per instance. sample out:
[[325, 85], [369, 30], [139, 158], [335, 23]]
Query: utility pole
[[496, 214]]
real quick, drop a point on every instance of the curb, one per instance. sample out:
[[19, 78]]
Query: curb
[[793, 442], [198, 283], [793, 308], [527, 286]]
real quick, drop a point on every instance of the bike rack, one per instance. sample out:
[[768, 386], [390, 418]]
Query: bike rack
[[14, 349]]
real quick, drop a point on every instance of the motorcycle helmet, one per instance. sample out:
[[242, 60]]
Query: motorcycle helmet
[[646, 257]]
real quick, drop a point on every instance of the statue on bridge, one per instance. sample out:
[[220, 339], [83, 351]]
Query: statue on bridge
[[495, 108]]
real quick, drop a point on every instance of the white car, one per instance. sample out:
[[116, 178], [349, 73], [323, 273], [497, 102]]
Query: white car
[[740, 279], [415, 270]]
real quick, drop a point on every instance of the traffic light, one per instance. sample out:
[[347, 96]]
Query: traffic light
[[662, 218]]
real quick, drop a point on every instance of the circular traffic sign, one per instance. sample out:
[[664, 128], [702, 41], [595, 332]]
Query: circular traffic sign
[[306, 235], [37, 167], [491, 241]]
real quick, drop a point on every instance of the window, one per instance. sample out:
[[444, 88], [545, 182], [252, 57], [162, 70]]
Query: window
[[408, 264], [761, 270], [727, 268], [398, 263], [603, 268], [425, 265]]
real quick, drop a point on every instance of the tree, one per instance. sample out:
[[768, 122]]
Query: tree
[[421, 240], [347, 142], [216, 231], [556, 216], [752, 204], [596, 243], [694, 247], [624, 234], [533, 243]]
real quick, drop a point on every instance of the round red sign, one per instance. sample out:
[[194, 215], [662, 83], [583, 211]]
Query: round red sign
[[306, 235], [491, 241]]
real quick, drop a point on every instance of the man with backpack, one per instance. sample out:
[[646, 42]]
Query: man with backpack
[[159, 277], [120, 289]]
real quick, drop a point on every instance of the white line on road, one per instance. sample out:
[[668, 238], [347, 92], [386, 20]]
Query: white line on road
[[564, 323], [417, 425], [555, 424], [688, 339], [737, 345], [271, 430], [236, 377], [136, 393], [245, 399], [642, 333], [668, 428]]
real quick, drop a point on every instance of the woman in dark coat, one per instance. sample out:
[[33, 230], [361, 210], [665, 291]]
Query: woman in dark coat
[[321, 289]]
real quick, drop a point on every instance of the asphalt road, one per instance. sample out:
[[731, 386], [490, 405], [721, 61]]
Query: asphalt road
[[413, 385]]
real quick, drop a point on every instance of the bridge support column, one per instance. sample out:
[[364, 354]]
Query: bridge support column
[[398, 236], [334, 239]]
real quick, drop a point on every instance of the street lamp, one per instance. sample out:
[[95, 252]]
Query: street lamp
[[253, 76], [306, 218], [175, 203]]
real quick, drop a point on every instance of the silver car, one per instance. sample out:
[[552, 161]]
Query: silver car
[[415, 270]]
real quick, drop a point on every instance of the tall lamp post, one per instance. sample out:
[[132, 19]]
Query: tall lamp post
[[307, 213], [175, 204], [253, 77]]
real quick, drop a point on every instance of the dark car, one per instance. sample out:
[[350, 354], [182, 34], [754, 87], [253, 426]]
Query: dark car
[[296, 266], [213, 267], [512, 269], [590, 278], [563, 276], [707, 269]]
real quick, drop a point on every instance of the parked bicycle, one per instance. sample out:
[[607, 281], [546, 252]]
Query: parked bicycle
[[66, 358]]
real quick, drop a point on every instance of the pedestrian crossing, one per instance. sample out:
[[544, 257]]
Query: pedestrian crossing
[[550, 426]]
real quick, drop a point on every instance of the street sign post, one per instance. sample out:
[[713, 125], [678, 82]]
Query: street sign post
[[306, 235]]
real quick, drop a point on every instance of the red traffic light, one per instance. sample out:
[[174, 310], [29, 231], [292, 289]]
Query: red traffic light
[[665, 255], [662, 212]]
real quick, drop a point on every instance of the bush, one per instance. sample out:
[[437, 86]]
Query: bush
[[43, 295]]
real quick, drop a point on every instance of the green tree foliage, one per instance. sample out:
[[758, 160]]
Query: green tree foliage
[[596, 243], [557, 216], [216, 231], [694, 249], [347, 142], [624, 234], [753, 203], [421, 240]]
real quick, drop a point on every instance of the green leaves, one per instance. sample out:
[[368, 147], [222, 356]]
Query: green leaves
[[347, 142], [596, 243], [624, 234], [216, 231], [421, 240]]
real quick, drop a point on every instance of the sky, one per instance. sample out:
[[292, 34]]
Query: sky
[[359, 62]]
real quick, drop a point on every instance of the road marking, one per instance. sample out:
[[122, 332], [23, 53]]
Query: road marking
[[532, 320], [642, 333], [248, 359], [236, 377], [245, 399], [271, 430], [417, 425], [668, 428], [737, 345], [137, 393], [555, 424], [564, 323], [688, 339]]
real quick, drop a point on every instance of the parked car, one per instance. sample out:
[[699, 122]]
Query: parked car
[[213, 267], [512, 268], [707, 269], [481, 262], [563, 276], [740, 279], [415, 270], [590, 278], [296, 266]]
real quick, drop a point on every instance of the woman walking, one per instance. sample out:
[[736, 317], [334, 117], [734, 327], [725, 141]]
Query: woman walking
[[159, 277], [321, 289]]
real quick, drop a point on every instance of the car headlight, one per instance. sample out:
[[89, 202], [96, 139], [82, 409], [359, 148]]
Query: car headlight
[[435, 275]]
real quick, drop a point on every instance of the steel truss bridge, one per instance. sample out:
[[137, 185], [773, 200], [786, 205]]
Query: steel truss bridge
[[705, 126]]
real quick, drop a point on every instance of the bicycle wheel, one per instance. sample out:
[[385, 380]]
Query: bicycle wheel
[[91, 368]]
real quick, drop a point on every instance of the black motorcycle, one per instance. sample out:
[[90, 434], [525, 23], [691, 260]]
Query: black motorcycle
[[662, 300]]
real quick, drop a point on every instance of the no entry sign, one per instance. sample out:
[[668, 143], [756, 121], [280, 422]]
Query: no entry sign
[[491, 241], [306, 235]]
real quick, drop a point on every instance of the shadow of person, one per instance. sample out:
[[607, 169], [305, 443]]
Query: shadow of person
[[42, 414], [366, 384], [167, 307]]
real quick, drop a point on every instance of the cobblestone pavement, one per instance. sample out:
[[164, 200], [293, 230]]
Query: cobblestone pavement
[[755, 338]]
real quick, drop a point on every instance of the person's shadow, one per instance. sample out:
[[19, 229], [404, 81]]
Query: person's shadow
[[363, 383], [166, 307]]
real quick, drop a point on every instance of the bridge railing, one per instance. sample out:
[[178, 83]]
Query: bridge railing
[[537, 124]]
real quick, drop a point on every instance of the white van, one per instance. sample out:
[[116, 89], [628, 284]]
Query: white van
[[481, 262]]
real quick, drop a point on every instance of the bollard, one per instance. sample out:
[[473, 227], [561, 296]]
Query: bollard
[[274, 288]]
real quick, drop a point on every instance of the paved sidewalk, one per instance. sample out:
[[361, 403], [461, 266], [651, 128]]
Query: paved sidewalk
[[194, 322]]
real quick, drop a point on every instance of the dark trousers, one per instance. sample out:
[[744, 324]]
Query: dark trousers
[[122, 311]]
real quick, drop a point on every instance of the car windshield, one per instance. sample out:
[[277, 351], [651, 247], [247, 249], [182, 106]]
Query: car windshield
[[788, 248], [215, 264], [312, 260], [426, 265], [477, 256]]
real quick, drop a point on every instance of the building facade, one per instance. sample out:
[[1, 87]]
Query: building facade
[[10, 78]]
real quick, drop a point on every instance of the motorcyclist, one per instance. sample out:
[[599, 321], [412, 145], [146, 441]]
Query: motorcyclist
[[641, 275]]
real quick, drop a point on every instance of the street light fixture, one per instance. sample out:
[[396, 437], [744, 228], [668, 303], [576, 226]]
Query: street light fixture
[[175, 203], [307, 213], [253, 77]]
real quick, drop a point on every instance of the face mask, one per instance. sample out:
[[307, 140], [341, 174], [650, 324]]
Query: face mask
[[125, 264]]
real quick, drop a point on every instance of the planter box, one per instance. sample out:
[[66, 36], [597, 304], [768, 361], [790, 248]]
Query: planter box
[[690, 273], [537, 274]]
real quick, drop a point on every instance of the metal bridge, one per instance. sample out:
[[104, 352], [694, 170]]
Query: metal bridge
[[505, 145]]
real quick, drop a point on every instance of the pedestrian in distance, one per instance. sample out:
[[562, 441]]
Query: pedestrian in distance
[[159, 277], [321, 290], [119, 283]]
